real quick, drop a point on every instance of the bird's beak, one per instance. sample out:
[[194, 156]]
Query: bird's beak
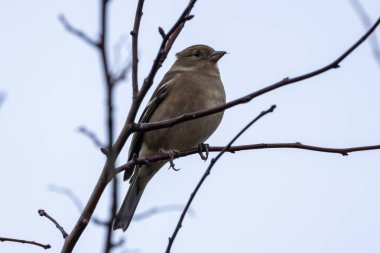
[[216, 55]]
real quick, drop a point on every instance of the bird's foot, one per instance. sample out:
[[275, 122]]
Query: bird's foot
[[201, 147], [173, 154]]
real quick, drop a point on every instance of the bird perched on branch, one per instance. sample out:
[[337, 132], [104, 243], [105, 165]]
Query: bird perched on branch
[[192, 84]]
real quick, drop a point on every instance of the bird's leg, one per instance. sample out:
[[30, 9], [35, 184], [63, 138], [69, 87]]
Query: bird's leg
[[172, 155], [201, 147]]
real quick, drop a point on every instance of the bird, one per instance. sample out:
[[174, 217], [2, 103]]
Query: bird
[[193, 83]]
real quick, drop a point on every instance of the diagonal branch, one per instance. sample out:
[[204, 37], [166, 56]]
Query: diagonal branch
[[80, 34], [45, 246], [233, 149], [286, 81], [207, 172]]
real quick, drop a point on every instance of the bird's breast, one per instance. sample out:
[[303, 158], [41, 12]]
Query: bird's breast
[[199, 94]]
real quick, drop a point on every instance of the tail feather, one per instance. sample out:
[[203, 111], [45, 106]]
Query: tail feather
[[128, 208]]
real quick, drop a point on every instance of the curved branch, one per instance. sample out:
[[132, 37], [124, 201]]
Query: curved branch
[[75, 31], [42, 213], [190, 116], [45, 246]]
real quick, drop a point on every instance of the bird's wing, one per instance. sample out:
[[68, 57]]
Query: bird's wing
[[157, 97]]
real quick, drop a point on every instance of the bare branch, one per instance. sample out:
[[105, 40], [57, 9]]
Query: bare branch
[[191, 116], [45, 246], [296, 145], [375, 43], [42, 213], [162, 32], [91, 135], [80, 34], [135, 40], [207, 172]]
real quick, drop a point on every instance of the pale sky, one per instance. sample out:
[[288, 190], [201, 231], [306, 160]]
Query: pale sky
[[267, 201]]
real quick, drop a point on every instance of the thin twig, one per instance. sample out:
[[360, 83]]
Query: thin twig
[[191, 116], [207, 172], [80, 34], [91, 135], [42, 213], [45, 246], [135, 40], [233, 149]]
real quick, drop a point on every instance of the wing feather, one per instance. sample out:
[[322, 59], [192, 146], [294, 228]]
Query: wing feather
[[157, 97]]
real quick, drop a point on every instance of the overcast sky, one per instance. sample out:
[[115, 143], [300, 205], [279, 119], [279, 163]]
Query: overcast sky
[[254, 201]]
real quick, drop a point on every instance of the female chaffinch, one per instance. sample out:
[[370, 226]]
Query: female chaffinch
[[192, 84]]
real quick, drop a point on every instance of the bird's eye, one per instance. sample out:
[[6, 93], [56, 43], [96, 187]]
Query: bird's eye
[[197, 53]]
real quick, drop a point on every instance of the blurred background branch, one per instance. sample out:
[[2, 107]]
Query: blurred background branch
[[2, 98], [367, 22]]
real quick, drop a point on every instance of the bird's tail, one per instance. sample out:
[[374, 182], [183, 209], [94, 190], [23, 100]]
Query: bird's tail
[[128, 208]]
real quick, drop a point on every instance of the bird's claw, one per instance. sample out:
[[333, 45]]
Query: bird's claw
[[201, 147], [172, 155]]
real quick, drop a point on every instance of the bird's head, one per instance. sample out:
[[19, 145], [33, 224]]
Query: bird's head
[[197, 57]]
